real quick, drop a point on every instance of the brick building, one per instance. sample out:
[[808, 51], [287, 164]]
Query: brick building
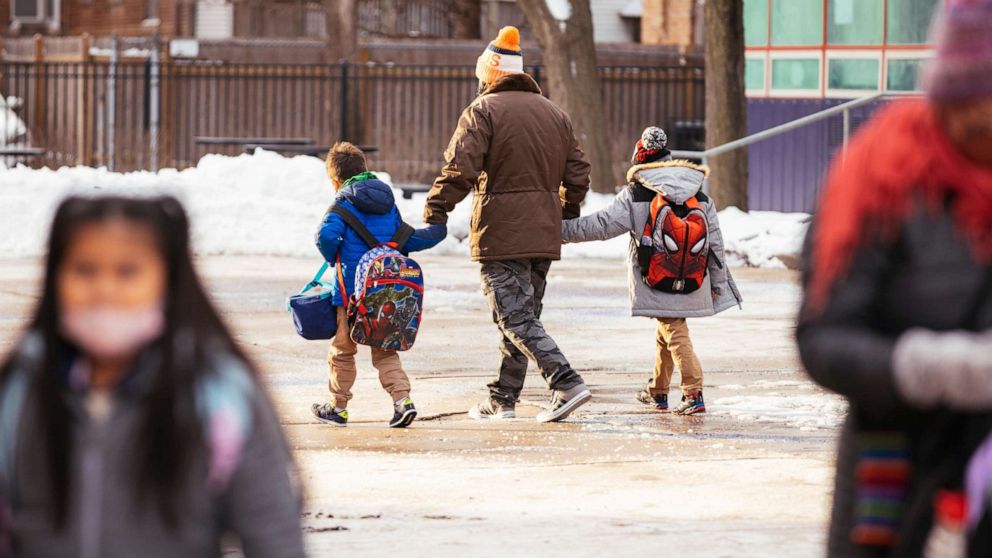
[[176, 18]]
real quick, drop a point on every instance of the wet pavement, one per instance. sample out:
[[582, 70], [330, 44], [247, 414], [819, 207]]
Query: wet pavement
[[752, 477]]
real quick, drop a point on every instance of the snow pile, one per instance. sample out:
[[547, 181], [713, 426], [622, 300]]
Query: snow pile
[[267, 204], [763, 238], [805, 412], [11, 127]]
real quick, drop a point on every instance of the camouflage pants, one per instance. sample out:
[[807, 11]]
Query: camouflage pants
[[514, 290]]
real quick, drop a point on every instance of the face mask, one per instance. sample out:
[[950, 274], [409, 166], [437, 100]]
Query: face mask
[[111, 334]]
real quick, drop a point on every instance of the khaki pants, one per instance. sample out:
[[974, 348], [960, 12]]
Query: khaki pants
[[341, 359], [675, 348]]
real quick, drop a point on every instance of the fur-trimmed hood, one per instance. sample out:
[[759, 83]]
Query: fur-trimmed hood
[[678, 180]]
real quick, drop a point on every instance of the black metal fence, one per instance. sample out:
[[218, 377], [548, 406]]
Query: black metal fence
[[137, 114]]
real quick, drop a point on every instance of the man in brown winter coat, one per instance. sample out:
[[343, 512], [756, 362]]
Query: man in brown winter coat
[[517, 152]]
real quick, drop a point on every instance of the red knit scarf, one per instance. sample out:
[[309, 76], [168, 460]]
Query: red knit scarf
[[901, 157]]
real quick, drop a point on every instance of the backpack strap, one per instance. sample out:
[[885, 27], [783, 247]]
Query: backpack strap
[[356, 225], [403, 234]]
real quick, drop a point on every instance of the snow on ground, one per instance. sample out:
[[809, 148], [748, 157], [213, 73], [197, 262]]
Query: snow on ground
[[267, 204]]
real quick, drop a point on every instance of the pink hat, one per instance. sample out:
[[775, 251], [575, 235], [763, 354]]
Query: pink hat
[[962, 36]]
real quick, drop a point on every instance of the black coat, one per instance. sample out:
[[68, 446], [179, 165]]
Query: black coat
[[925, 277]]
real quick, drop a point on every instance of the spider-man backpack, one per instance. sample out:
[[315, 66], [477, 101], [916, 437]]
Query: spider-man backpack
[[388, 300], [673, 251]]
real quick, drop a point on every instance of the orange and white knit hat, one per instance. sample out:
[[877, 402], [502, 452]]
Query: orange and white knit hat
[[502, 57]]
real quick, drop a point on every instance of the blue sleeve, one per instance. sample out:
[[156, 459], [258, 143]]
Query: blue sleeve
[[329, 236], [426, 238]]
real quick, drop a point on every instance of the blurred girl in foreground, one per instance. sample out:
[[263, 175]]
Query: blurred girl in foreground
[[130, 422]]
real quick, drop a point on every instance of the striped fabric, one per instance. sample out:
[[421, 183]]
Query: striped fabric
[[882, 476]]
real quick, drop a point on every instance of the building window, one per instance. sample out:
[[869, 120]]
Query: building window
[[27, 10], [909, 21], [903, 74], [853, 73], [796, 73], [755, 22], [797, 22], [849, 26], [35, 11], [754, 74]]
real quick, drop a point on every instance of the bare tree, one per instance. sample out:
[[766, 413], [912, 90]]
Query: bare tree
[[341, 17], [726, 105], [573, 79], [466, 19]]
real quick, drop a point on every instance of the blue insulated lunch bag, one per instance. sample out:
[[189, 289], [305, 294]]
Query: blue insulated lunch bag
[[314, 313]]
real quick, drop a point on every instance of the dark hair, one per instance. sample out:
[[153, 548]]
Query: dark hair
[[345, 161], [170, 432]]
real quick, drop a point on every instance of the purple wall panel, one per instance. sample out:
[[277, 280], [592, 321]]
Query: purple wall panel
[[786, 171]]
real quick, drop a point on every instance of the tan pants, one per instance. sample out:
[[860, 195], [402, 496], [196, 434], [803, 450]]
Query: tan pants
[[675, 348], [341, 359]]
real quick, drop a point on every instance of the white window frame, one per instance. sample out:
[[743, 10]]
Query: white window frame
[[922, 54], [811, 54], [43, 15], [762, 56], [853, 55]]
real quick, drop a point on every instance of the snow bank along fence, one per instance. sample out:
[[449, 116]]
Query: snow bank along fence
[[130, 108]]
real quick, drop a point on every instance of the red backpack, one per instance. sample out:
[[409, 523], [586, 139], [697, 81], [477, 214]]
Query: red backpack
[[673, 251]]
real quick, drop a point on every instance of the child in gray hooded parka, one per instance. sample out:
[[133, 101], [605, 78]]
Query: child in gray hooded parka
[[680, 184]]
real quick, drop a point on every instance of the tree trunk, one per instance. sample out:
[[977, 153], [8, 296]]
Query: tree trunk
[[341, 17], [466, 19], [573, 80], [726, 105]]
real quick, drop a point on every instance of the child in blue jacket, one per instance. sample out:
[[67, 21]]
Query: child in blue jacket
[[371, 200]]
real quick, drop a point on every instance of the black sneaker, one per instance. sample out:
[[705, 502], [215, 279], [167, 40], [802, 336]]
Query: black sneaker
[[326, 413], [491, 409], [659, 402], [691, 404], [403, 414], [564, 402]]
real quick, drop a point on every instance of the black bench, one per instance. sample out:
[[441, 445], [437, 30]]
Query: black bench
[[410, 189], [227, 140], [314, 150], [15, 153]]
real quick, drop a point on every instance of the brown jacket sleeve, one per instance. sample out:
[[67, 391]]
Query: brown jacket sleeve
[[575, 183], [464, 158]]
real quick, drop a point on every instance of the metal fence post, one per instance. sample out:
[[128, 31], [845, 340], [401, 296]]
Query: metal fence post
[[344, 100], [112, 104], [153, 101]]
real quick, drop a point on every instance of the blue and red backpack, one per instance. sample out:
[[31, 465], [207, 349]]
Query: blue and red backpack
[[388, 300]]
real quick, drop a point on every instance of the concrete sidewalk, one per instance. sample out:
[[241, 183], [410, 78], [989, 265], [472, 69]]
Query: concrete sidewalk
[[750, 478]]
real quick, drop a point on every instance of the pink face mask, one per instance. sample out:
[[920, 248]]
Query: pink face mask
[[109, 333]]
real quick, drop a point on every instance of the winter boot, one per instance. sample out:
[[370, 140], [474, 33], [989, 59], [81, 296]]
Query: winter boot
[[659, 402], [327, 413], [491, 409], [564, 402], [691, 404], [403, 413]]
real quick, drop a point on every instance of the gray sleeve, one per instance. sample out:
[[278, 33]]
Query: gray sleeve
[[263, 504], [717, 267], [611, 221]]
